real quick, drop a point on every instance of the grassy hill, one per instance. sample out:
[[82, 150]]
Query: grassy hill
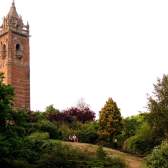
[[131, 161]]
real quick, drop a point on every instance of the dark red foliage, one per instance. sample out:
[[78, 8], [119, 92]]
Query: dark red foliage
[[81, 115], [59, 117], [73, 114]]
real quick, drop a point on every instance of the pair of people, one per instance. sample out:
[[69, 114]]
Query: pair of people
[[73, 138]]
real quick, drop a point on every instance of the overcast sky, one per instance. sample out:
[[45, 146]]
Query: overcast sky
[[95, 49]]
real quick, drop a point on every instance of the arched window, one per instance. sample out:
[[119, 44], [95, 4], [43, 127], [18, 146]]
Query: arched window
[[19, 51], [17, 47]]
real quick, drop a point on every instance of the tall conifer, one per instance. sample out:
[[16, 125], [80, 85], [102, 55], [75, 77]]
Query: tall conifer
[[110, 121]]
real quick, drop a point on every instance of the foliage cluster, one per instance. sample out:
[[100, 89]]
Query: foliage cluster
[[142, 142], [154, 128], [158, 107], [26, 138], [110, 122], [158, 157], [72, 114], [88, 132], [29, 152], [6, 99]]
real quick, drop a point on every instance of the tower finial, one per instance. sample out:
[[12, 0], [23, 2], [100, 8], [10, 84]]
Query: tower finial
[[13, 3]]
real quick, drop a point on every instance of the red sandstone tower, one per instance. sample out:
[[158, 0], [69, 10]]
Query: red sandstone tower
[[14, 56]]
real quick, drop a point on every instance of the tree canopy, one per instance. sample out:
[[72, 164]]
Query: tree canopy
[[110, 120], [6, 101], [158, 107]]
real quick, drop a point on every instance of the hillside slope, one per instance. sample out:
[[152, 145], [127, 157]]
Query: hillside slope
[[132, 161]]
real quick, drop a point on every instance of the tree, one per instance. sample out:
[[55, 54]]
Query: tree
[[51, 113], [80, 114], [82, 104], [110, 121], [51, 109], [6, 101], [132, 124], [158, 108]]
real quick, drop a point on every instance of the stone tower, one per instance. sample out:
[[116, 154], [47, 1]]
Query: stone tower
[[14, 56]]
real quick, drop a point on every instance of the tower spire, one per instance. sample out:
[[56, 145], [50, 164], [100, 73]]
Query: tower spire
[[13, 3], [14, 21], [12, 11]]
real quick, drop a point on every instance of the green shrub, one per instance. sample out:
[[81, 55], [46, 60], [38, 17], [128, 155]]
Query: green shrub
[[112, 162], [17, 130], [135, 145], [7, 163], [100, 153], [130, 126], [20, 117], [159, 157], [49, 127], [142, 142], [66, 131], [88, 132], [39, 136], [36, 153], [16, 148]]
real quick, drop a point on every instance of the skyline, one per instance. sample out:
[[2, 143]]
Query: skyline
[[94, 50]]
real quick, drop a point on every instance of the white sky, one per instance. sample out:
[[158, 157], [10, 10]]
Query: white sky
[[95, 49]]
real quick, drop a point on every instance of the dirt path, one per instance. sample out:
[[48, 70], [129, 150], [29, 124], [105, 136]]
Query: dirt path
[[132, 161]]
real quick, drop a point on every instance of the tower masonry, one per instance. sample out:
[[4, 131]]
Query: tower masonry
[[14, 56]]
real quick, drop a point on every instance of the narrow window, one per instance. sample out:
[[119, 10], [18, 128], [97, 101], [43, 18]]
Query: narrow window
[[19, 52], [4, 51]]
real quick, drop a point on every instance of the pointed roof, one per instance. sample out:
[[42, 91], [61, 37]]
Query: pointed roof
[[14, 22], [12, 11]]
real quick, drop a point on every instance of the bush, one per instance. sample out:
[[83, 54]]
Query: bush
[[159, 157], [132, 124], [20, 117], [100, 153], [49, 127], [15, 131], [58, 155], [88, 132], [36, 116], [18, 149], [14, 164], [39, 136], [66, 131], [142, 142]]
